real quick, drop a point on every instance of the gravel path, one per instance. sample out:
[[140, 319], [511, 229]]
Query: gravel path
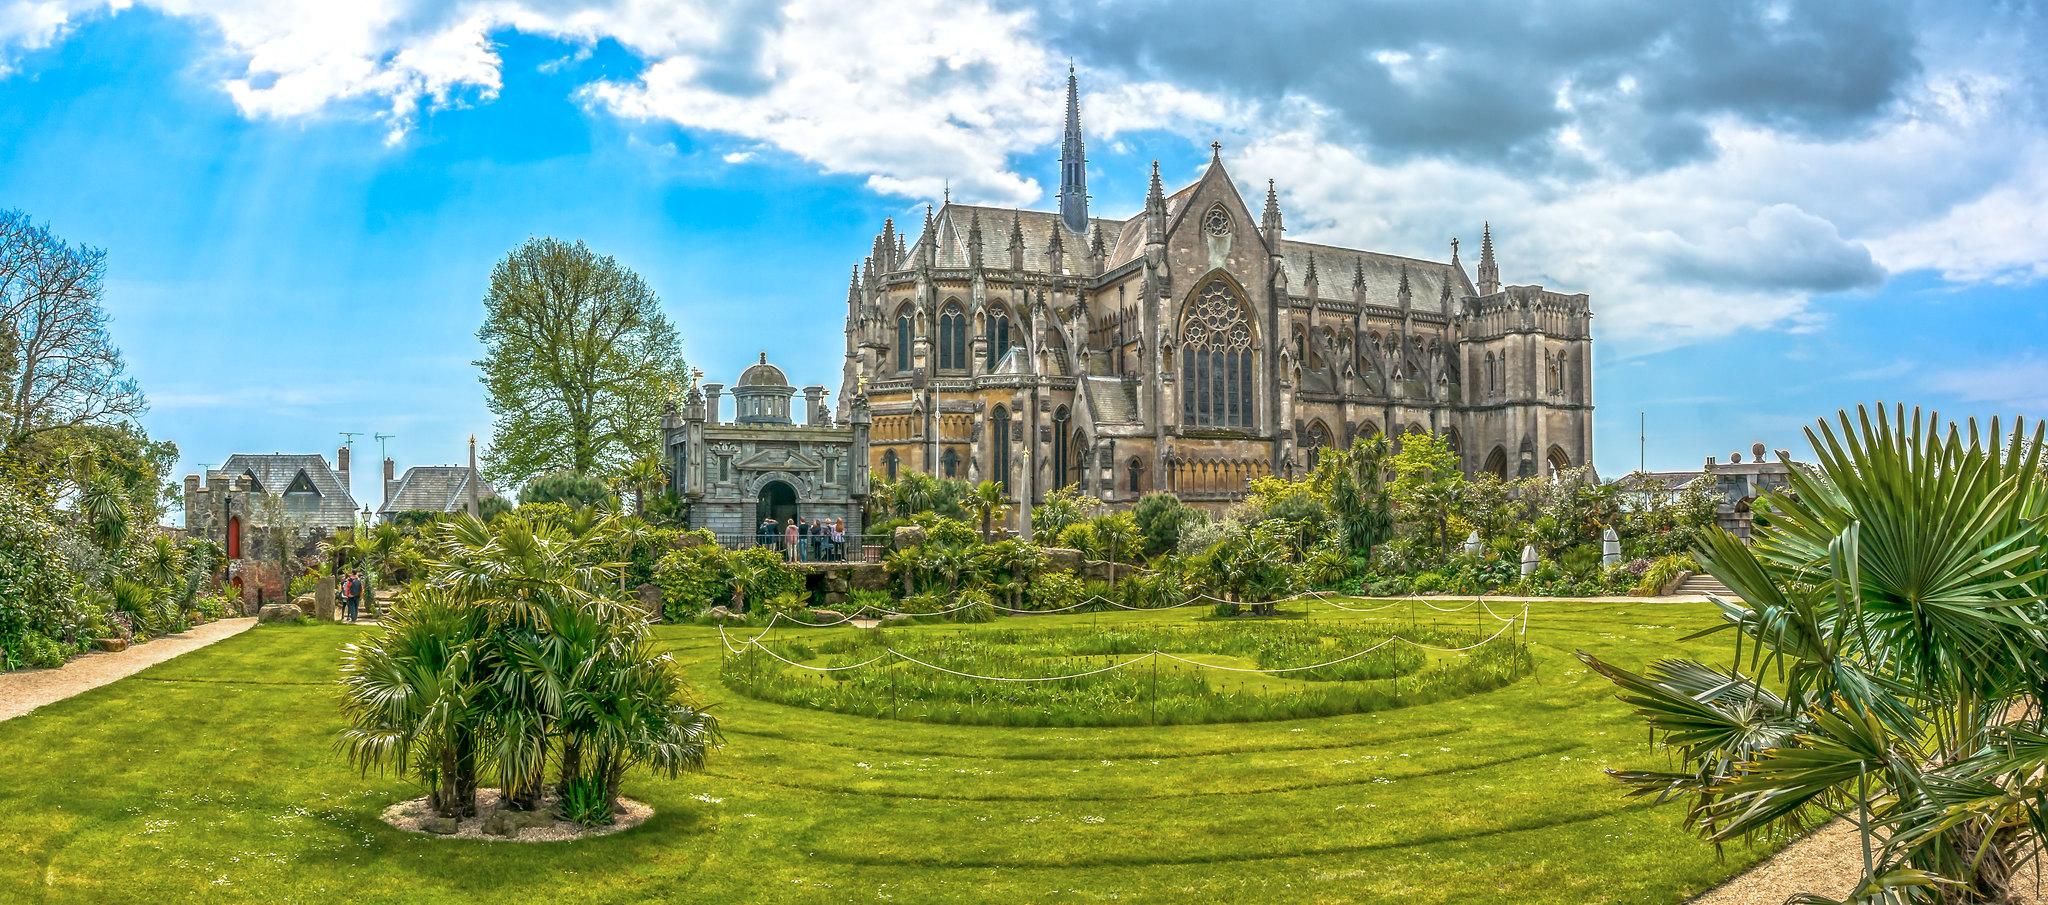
[[24, 690], [1828, 862]]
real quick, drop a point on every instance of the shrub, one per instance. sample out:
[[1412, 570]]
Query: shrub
[[1661, 572], [1161, 517], [577, 490], [1053, 591], [1429, 583], [692, 579], [38, 651]]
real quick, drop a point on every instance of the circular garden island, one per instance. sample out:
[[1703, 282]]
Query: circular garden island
[[1208, 670]]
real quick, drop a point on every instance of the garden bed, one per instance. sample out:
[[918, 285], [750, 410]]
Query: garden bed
[[496, 823]]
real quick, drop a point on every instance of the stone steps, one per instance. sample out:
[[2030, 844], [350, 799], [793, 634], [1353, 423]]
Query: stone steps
[[1703, 583]]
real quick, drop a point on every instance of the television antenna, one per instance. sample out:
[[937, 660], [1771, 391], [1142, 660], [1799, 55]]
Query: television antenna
[[381, 454]]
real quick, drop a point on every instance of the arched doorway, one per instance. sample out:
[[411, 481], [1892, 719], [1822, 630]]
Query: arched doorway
[[778, 501], [234, 537]]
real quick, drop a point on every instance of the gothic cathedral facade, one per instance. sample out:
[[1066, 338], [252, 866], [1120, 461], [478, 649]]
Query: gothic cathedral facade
[[1192, 347]]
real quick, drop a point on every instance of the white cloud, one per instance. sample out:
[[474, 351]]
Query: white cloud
[[2020, 383], [913, 95]]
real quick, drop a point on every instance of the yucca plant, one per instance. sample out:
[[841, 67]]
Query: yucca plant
[[1892, 650]]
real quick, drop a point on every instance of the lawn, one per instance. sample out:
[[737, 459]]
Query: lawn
[[215, 777]]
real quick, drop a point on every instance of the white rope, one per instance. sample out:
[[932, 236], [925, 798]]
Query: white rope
[[1155, 653], [1455, 609], [1355, 656], [1017, 678]]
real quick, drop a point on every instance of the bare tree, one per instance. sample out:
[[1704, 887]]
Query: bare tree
[[61, 367]]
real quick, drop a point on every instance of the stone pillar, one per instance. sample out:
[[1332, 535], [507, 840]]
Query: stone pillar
[[323, 598], [711, 408]]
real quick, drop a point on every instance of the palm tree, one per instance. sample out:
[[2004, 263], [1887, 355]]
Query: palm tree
[[1896, 596], [411, 698], [1118, 534], [987, 503], [638, 477]]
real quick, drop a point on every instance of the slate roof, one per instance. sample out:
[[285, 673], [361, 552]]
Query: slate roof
[[1337, 268], [433, 488], [1112, 400], [1124, 240], [953, 222], [275, 473]]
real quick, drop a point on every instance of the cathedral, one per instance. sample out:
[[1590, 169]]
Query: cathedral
[[1192, 347]]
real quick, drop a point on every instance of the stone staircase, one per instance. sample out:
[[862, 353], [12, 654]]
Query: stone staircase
[[1702, 583]]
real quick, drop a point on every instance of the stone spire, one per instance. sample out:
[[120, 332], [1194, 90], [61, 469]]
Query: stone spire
[[1016, 240], [974, 240], [1155, 209], [1269, 222], [928, 244], [1405, 296], [1358, 284], [1308, 280], [853, 289], [1073, 162], [887, 258], [1489, 272]]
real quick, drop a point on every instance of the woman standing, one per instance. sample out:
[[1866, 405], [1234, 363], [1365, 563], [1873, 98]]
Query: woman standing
[[789, 538]]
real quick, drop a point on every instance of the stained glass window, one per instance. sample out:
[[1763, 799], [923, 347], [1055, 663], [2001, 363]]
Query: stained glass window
[[952, 338], [906, 330], [998, 337], [1216, 360]]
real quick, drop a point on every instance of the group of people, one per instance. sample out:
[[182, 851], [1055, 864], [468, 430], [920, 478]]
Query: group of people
[[799, 540], [351, 592]]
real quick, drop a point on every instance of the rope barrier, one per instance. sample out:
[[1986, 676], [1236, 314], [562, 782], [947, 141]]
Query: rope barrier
[[890, 651]]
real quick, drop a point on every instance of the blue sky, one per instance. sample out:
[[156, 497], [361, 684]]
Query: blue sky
[[300, 205]]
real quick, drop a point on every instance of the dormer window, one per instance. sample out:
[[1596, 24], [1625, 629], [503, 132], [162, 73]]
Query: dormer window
[[302, 498]]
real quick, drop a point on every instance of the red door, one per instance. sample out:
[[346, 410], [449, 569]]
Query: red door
[[235, 537]]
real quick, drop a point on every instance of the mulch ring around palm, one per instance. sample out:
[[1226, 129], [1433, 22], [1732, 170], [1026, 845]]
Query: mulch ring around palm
[[496, 823]]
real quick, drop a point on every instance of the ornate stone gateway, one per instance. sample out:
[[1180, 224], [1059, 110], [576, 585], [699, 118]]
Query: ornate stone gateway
[[763, 464], [778, 501]]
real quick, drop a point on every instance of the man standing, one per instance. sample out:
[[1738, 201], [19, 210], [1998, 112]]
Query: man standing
[[352, 593]]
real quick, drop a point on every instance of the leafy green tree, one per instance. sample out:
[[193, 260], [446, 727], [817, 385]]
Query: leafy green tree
[[1160, 518], [580, 491], [1893, 607], [1427, 484], [579, 362]]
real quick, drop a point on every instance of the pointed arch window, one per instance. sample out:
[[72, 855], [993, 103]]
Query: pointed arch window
[[1061, 452], [906, 331], [952, 337], [1216, 359], [1314, 440], [890, 464], [998, 336], [999, 454], [950, 463]]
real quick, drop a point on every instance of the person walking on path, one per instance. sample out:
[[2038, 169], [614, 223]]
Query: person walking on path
[[352, 593]]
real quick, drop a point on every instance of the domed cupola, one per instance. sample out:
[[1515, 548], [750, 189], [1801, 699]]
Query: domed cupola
[[762, 394]]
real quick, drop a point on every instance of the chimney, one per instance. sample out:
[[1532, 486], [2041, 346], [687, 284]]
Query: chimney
[[341, 466], [390, 479]]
